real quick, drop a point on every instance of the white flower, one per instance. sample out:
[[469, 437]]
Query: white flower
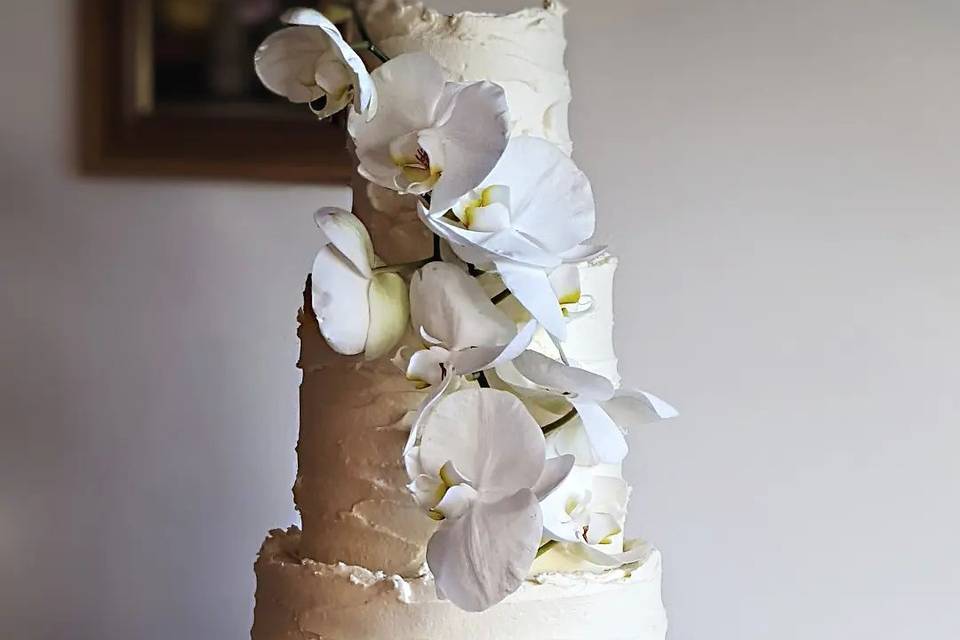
[[310, 60], [602, 411], [464, 331], [430, 134], [527, 217], [586, 513], [481, 469], [359, 310]]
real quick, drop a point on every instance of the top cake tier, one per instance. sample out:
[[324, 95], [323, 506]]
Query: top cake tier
[[521, 51]]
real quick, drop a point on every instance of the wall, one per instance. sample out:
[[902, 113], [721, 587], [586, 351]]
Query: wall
[[779, 179]]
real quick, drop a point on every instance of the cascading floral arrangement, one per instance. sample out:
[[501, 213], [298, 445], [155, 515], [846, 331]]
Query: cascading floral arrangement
[[516, 209]]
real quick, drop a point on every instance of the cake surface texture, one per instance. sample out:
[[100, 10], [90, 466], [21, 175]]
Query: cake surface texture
[[357, 569]]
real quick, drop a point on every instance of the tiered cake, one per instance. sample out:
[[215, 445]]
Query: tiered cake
[[357, 569]]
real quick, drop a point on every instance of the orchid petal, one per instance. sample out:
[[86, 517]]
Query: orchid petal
[[555, 471], [544, 181], [635, 551], [484, 555], [413, 438], [531, 287], [456, 501], [583, 253], [453, 308], [389, 314], [480, 358], [350, 237], [467, 426], [560, 378], [427, 365], [340, 301], [286, 62], [633, 408], [605, 436], [565, 281], [475, 136]]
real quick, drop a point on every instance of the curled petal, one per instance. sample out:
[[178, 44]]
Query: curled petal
[[340, 301], [560, 378], [389, 314], [484, 555], [555, 471], [427, 366], [605, 436], [474, 135], [456, 501], [453, 308], [633, 551], [633, 408], [349, 236], [480, 358], [531, 287]]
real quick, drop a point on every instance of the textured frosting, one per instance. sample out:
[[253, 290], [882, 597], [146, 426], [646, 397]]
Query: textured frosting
[[521, 51], [300, 599], [351, 484]]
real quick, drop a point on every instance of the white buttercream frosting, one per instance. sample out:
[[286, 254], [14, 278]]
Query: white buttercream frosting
[[520, 51], [301, 599]]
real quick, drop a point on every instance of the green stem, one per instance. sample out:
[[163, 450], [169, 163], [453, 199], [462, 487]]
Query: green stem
[[500, 297], [559, 422], [362, 28], [546, 546], [482, 380], [403, 266]]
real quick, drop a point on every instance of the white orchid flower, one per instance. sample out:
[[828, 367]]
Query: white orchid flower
[[565, 281], [359, 310], [481, 469], [597, 403], [587, 512], [430, 134], [531, 214], [310, 60], [463, 330]]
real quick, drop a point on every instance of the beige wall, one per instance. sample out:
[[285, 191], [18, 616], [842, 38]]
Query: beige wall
[[780, 180]]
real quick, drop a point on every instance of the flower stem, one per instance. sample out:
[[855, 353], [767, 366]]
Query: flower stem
[[500, 297], [367, 40], [403, 266], [482, 380], [559, 422], [546, 546]]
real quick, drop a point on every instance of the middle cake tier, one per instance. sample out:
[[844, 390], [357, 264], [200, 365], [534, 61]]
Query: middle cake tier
[[351, 484]]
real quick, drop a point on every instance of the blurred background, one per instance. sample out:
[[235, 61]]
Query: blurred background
[[780, 180]]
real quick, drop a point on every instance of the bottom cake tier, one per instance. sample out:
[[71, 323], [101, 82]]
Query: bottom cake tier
[[299, 599]]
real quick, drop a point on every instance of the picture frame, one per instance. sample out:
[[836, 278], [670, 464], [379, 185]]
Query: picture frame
[[124, 129]]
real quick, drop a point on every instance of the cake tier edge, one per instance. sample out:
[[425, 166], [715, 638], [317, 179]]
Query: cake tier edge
[[300, 599]]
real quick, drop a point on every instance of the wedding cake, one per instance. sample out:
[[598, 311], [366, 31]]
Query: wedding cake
[[461, 412]]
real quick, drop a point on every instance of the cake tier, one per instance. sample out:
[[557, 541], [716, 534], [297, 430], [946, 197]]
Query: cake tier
[[299, 599], [520, 51]]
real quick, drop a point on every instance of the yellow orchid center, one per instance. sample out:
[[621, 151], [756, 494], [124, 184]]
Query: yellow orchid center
[[418, 168]]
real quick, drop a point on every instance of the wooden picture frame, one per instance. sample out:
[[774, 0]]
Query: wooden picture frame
[[121, 134]]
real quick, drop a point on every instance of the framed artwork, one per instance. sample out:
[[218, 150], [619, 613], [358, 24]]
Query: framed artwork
[[167, 88]]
